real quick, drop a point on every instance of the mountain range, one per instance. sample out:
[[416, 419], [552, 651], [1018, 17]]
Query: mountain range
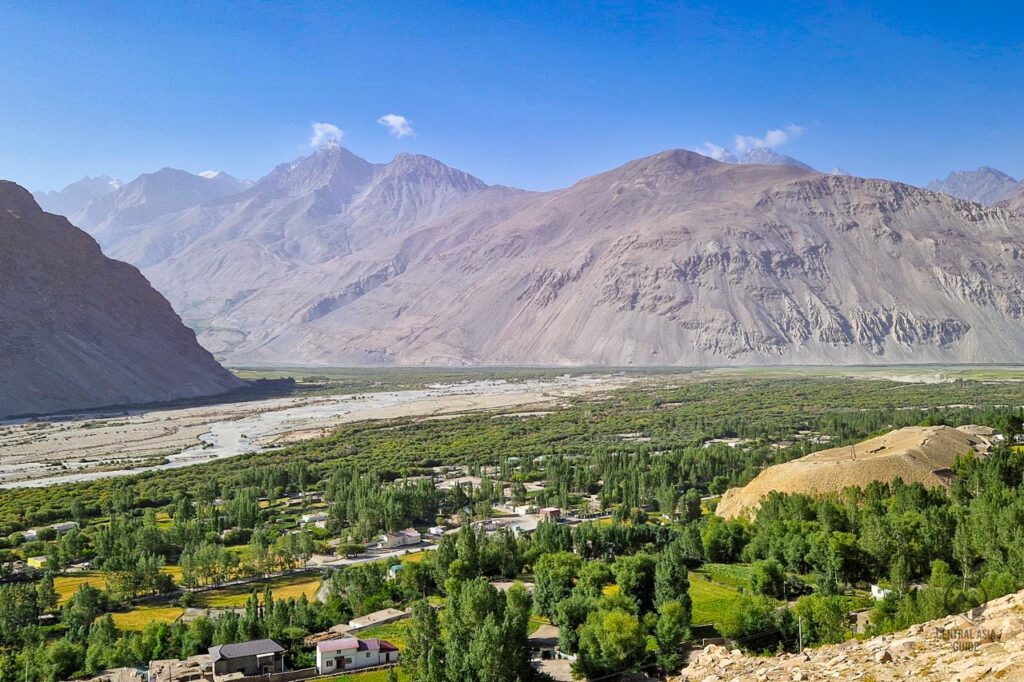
[[673, 259], [79, 330], [984, 186], [76, 196]]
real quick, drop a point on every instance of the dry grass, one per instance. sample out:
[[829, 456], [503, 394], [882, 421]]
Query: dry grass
[[67, 585], [237, 595], [137, 619]]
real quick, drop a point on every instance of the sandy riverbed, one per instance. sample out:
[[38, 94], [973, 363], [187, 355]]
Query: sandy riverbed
[[85, 447]]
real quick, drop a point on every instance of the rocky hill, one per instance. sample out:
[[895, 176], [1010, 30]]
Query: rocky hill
[[986, 643], [674, 259], [80, 330], [984, 186], [915, 454]]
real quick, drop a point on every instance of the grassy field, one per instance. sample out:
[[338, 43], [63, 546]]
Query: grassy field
[[413, 558], [283, 588], [137, 619], [392, 632], [710, 599], [733, 575], [67, 585], [373, 676]]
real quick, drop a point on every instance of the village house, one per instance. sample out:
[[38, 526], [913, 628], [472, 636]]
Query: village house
[[256, 657], [37, 561], [313, 518], [402, 538], [550, 514], [377, 618], [878, 593], [352, 653]]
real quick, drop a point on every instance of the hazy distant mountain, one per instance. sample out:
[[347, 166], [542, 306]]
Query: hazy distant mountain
[[80, 330], [74, 197], [212, 258], [985, 186], [671, 259], [151, 196], [1015, 202], [766, 157]]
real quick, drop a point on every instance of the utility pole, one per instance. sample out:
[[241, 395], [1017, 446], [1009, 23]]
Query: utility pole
[[800, 630]]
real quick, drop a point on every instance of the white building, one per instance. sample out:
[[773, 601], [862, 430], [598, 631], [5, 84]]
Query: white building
[[352, 653], [65, 527], [409, 536], [313, 518], [879, 593]]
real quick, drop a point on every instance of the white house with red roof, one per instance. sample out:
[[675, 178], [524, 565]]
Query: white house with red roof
[[352, 653]]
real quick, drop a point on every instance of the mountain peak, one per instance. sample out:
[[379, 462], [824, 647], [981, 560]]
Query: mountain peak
[[763, 156], [985, 185], [74, 197]]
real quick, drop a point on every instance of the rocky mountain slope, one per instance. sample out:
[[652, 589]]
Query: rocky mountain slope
[[77, 195], [671, 259], [152, 195], [984, 186], [915, 454], [78, 329], [1015, 202], [986, 643]]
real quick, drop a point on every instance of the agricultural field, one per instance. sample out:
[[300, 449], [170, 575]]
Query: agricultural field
[[396, 632], [236, 596], [140, 616], [67, 585], [710, 599], [372, 676]]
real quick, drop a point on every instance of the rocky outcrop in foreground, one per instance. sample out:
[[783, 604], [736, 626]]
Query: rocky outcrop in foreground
[[79, 330], [986, 643]]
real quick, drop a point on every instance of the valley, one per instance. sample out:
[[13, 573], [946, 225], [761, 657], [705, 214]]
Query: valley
[[101, 445]]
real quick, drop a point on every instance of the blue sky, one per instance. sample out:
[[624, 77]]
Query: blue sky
[[530, 94]]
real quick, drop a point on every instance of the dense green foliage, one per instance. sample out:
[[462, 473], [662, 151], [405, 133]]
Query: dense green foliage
[[619, 590]]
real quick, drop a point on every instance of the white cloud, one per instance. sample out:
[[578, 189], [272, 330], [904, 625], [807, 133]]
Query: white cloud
[[716, 152], [770, 140], [399, 126], [325, 133]]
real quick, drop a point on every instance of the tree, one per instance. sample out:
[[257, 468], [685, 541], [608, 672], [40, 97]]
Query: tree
[[553, 577], [610, 641], [755, 622], [635, 577], [767, 578], [593, 577], [672, 579], [670, 633], [62, 659], [691, 505], [824, 619], [424, 652], [570, 614], [718, 485]]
